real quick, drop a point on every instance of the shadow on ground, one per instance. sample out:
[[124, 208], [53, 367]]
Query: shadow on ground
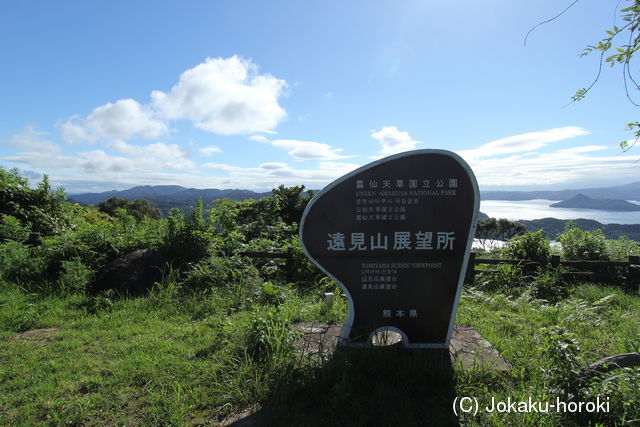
[[365, 387]]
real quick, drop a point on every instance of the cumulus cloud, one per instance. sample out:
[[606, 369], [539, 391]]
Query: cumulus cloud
[[309, 150], [258, 138], [152, 157], [224, 96], [99, 161], [220, 167], [393, 140], [155, 156], [123, 119], [210, 150], [37, 152]]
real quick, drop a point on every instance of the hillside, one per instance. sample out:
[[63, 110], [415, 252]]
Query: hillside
[[581, 201], [166, 197], [624, 192], [551, 227]]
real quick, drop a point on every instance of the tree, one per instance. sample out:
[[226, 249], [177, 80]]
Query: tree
[[486, 230], [139, 208], [40, 209], [621, 43], [291, 202]]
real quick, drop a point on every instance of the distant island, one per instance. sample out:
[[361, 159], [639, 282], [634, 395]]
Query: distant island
[[622, 192], [580, 201]]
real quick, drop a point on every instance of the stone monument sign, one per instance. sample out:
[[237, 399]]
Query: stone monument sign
[[396, 235]]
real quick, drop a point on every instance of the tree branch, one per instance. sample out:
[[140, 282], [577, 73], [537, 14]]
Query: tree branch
[[547, 21]]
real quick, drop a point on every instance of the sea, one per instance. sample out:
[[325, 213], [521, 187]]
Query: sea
[[539, 208]]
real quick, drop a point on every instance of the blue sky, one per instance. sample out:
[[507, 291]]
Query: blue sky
[[252, 94]]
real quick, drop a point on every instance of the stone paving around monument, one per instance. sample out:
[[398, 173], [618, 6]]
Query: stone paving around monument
[[467, 348]]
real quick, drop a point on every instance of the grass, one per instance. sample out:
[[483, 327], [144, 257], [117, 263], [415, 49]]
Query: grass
[[176, 358]]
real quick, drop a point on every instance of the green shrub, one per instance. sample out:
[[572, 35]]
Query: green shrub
[[12, 229], [548, 285], [188, 238], [561, 374], [139, 208], [38, 208], [529, 246], [18, 266], [621, 248], [272, 294], [580, 244], [18, 311], [508, 278], [214, 272], [269, 338], [74, 277], [620, 387]]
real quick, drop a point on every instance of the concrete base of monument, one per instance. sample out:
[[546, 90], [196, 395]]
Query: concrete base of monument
[[467, 348]]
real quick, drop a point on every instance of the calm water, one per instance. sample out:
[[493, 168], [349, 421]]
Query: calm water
[[536, 209]]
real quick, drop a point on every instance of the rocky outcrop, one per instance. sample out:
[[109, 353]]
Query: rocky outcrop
[[133, 274]]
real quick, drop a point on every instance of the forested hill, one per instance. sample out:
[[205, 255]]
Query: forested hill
[[551, 227], [166, 197], [623, 192]]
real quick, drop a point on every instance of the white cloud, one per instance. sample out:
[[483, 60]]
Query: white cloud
[[308, 150], [524, 142], [224, 96], [271, 174], [393, 140], [511, 162], [584, 149], [99, 161], [274, 166], [38, 152], [258, 138], [124, 119], [30, 141], [210, 150], [156, 156], [555, 168], [221, 167]]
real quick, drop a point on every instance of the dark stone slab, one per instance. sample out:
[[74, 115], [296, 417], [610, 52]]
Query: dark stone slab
[[134, 273]]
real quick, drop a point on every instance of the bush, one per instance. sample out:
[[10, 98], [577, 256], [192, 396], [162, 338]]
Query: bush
[[18, 266], [188, 239], [214, 272], [620, 248], [548, 285], [39, 208], [508, 278], [12, 229], [269, 338], [529, 246], [138, 208], [580, 244], [74, 277]]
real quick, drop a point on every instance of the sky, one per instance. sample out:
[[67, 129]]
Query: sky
[[112, 94]]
